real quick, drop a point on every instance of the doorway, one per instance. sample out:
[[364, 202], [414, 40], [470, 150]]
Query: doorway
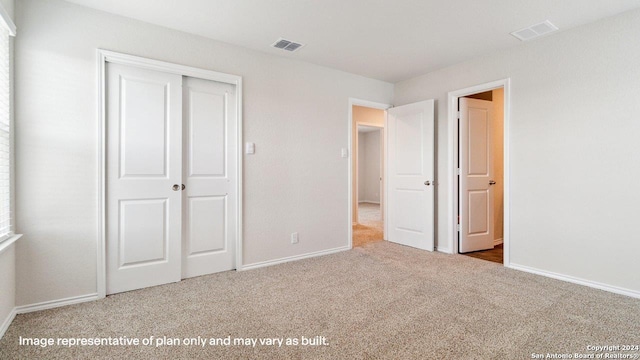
[[408, 180], [481, 171], [367, 174], [369, 225]]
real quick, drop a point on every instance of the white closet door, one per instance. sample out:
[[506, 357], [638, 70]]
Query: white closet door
[[210, 161], [144, 131]]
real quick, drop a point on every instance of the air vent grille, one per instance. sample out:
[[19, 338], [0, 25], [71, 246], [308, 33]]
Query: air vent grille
[[287, 45], [535, 31]]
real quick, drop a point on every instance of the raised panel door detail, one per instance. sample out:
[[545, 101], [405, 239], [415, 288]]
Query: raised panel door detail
[[409, 145], [408, 219], [479, 207], [478, 154], [207, 232], [143, 127], [207, 145], [143, 231]]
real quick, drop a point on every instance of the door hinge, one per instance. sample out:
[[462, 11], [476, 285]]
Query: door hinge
[[458, 171], [459, 114], [458, 227]]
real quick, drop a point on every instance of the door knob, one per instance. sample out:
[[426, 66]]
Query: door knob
[[427, 182], [183, 187], [491, 182], [175, 187]]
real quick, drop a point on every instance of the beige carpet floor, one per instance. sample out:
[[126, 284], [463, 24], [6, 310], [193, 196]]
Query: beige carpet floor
[[369, 227], [380, 301]]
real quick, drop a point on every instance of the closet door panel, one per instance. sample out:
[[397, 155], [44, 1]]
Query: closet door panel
[[143, 150], [210, 155]]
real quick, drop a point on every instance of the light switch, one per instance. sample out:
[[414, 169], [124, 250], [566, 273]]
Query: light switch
[[250, 148], [345, 152]]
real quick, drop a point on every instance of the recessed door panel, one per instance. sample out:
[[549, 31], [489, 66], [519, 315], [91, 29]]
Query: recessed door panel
[[409, 138], [407, 218], [143, 126], [478, 137], [207, 224], [207, 145], [143, 231], [478, 216]]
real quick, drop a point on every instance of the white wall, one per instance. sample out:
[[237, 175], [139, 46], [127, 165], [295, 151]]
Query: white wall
[[574, 147], [295, 112], [9, 5]]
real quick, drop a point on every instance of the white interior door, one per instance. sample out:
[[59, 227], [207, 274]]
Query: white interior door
[[210, 160], [410, 169], [144, 131], [476, 195]]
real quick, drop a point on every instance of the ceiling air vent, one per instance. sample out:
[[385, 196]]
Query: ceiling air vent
[[287, 45], [535, 31]]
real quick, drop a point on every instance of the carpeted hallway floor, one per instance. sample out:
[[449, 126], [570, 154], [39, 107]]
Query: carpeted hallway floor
[[380, 301], [369, 227]]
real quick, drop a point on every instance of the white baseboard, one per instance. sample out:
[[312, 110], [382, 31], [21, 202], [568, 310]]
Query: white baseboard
[[445, 250], [575, 280], [498, 241], [293, 258], [7, 322], [56, 303]]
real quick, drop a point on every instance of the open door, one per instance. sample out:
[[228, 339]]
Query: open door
[[476, 175], [411, 174]]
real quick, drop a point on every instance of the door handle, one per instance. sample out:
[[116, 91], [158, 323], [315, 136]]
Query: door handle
[[177, 187], [427, 182], [491, 182]]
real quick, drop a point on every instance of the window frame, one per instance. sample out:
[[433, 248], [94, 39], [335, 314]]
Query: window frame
[[7, 23]]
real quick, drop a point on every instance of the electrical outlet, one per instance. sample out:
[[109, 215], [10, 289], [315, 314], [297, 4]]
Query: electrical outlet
[[294, 238]]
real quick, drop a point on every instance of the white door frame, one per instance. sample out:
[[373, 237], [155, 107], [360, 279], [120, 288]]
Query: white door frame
[[352, 162], [104, 56], [453, 198]]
